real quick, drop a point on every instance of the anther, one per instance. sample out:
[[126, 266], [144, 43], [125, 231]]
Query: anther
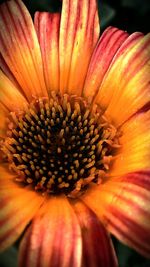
[[59, 145]]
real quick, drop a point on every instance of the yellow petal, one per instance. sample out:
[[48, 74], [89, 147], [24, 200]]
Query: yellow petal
[[134, 153]]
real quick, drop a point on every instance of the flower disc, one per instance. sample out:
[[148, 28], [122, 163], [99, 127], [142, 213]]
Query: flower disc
[[60, 145]]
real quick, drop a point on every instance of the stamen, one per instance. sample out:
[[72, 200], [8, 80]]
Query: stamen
[[60, 145]]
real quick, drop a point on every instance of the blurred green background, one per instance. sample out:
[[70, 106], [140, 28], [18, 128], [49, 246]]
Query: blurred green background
[[129, 15]]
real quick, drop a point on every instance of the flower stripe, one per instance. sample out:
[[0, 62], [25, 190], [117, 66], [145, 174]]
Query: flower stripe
[[54, 238], [123, 44], [129, 43], [17, 208], [131, 67], [20, 49], [104, 94], [79, 32], [71, 40], [47, 27], [125, 208], [130, 213], [105, 51], [97, 247]]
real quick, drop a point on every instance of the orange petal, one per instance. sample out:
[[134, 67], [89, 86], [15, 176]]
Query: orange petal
[[104, 53], [127, 83], [47, 27], [123, 204], [54, 237], [20, 48], [17, 207], [8, 73], [79, 32], [104, 94], [97, 246], [134, 153], [131, 86], [10, 96]]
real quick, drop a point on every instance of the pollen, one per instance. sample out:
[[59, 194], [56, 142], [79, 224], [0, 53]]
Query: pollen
[[60, 145]]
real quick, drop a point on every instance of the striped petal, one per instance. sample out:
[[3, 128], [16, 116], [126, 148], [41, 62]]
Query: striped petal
[[47, 27], [17, 207], [54, 237], [97, 246], [123, 204], [127, 82], [20, 49], [67, 44], [10, 97], [79, 32], [104, 53], [134, 153]]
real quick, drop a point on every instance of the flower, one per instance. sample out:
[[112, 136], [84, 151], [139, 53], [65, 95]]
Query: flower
[[75, 136]]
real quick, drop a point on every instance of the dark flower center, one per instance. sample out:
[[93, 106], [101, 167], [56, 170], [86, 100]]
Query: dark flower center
[[60, 145]]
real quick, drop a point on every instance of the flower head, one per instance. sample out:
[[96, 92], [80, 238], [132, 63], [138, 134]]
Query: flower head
[[74, 136]]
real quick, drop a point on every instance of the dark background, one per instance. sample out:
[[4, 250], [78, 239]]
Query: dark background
[[128, 15]]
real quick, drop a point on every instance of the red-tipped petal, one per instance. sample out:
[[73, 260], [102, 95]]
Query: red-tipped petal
[[67, 44], [123, 204], [109, 43], [97, 246], [20, 49], [104, 95], [47, 27], [127, 82], [54, 237], [17, 207], [79, 32]]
